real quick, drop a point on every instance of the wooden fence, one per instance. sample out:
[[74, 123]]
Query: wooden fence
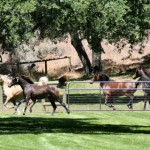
[[17, 64]]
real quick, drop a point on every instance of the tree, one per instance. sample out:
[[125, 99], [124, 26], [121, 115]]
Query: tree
[[115, 21], [93, 20], [15, 22], [58, 19], [97, 20]]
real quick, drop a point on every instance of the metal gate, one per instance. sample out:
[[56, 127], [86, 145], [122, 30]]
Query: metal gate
[[83, 96]]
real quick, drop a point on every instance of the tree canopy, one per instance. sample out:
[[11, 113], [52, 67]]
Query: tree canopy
[[109, 19], [93, 20]]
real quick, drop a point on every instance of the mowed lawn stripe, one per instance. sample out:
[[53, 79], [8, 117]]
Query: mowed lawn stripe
[[76, 131]]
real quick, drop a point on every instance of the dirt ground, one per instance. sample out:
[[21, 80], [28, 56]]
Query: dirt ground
[[112, 60]]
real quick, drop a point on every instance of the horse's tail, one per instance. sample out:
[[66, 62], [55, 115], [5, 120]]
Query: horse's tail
[[43, 80]]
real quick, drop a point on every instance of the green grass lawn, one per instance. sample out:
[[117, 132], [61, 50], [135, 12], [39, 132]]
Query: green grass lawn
[[95, 130], [76, 131]]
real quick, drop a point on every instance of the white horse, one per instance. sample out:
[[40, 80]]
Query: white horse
[[12, 94]]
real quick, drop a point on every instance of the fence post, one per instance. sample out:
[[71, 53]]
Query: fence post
[[100, 99], [1, 97], [45, 66], [68, 84]]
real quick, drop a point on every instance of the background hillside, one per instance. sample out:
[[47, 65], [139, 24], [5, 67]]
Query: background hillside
[[113, 61]]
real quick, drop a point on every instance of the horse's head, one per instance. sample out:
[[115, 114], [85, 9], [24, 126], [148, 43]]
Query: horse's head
[[137, 73], [62, 81], [5, 78], [14, 81], [95, 78]]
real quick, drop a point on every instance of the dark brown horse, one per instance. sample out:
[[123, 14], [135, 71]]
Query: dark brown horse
[[144, 80], [62, 81], [112, 88], [34, 92]]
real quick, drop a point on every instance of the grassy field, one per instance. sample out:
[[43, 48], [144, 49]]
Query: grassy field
[[95, 130], [76, 131]]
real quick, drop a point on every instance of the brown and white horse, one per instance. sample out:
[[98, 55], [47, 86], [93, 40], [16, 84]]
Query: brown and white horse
[[112, 88]]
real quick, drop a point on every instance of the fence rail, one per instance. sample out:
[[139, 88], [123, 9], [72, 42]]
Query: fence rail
[[83, 96], [45, 61]]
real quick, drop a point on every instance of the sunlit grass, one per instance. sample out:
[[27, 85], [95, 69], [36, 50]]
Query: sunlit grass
[[78, 130], [95, 130]]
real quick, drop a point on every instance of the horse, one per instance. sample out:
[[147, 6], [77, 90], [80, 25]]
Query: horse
[[62, 81], [42, 81], [34, 91], [12, 93], [112, 88], [143, 76]]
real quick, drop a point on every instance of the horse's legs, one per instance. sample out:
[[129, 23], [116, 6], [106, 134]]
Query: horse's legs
[[33, 103], [64, 105], [130, 103], [30, 102], [25, 108], [8, 99], [145, 100], [52, 101], [16, 108], [109, 105], [26, 104]]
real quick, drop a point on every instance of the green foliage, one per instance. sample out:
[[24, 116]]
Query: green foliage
[[91, 19], [95, 20], [16, 21]]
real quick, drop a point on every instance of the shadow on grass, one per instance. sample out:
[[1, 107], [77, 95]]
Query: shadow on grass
[[32, 125]]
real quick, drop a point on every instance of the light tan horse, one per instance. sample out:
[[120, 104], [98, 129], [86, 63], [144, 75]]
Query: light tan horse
[[12, 93]]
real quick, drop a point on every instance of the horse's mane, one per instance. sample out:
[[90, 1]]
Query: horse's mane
[[104, 76], [27, 79], [146, 72]]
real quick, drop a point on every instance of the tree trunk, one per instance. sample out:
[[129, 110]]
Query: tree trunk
[[77, 43], [96, 56], [96, 62]]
